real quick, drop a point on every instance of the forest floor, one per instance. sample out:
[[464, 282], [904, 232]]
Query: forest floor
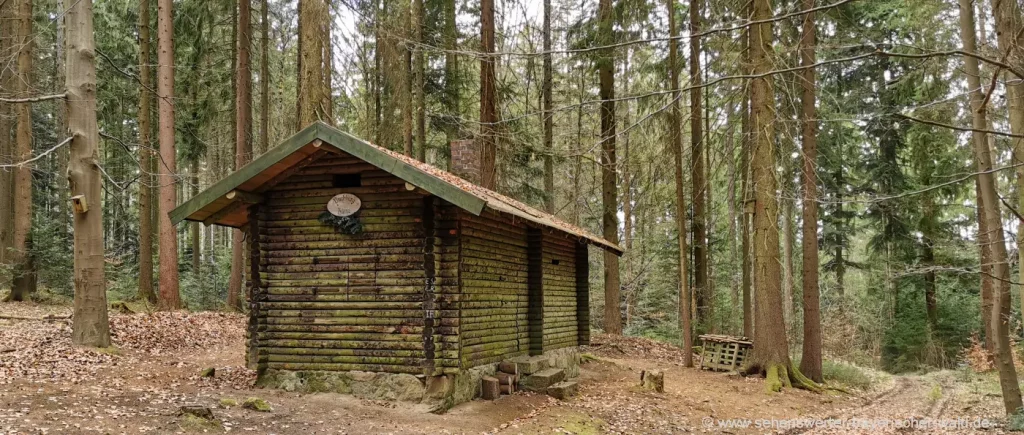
[[49, 386]]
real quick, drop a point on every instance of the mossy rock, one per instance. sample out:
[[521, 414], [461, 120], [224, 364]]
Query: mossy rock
[[257, 404], [228, 402]]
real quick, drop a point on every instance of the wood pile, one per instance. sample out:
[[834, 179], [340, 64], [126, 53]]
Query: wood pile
[[504, 381], [724, 353]]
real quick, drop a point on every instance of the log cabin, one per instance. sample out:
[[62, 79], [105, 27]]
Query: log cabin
[[375, 274]]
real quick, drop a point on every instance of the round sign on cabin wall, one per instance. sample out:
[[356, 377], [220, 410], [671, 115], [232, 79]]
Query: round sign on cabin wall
[[345, 204]]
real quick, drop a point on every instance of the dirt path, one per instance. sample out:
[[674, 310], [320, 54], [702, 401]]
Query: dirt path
[[48, 386]]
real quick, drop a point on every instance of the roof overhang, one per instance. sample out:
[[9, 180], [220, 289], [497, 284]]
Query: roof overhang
[[226, 202]]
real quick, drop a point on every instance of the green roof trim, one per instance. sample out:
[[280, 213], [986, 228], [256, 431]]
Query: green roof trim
[[462, 194], [344, 142]]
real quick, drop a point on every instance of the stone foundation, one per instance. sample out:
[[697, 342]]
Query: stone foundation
[[438, 392]]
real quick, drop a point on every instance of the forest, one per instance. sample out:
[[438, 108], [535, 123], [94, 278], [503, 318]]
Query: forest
[[840, 181]]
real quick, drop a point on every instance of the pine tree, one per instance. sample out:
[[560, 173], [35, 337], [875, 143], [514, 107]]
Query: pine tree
[[609, 188], [675, 143], [169, 296], [810, 362], [145, 158]]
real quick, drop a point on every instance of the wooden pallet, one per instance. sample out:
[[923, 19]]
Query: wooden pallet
[[724, 353]]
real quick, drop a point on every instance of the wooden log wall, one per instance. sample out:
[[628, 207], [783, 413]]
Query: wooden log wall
[[582, 295], [559, 277], [493, 276], [354, 302]]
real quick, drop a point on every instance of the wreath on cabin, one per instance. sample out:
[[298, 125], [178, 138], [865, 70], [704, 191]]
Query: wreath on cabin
[[342, 224]]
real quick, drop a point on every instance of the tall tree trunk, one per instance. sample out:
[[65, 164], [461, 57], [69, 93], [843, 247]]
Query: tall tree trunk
[[145, 159], [675, 144], [451, 71], [488, 93], [548, 115], [24, 276], [730, 160], [609, 217], [788, 238], [264, 143], [1008, 22], [810, 362], [407, 79], [697, 174], [243, 140], [771, 355], [90, 326], [419, 83], [985, 257], [7, 42], [170, 298], [1004, 17], [747, 209], [194, 227], [313, 100]]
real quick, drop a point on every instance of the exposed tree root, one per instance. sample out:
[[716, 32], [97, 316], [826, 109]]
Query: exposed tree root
[[778, 376]]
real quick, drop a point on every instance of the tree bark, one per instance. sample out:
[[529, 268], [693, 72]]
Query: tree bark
[[169, 298], [264, 143], [145, 159], [419, 83], [810, 362], [1004, 17], [407, 79], [24, 281], [313, 100], [451, 71], [700, 265], [548, 115], [771, 354], [609, 217], [243, 140], [746, 209], [90, 326], [488, 93], [7, 42], [1007, 15], [675, 144]]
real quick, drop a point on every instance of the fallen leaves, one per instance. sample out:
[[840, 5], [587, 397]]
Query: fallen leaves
[[618, 346]]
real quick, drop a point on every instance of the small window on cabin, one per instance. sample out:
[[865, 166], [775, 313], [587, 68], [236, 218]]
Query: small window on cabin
[[555, 262], [347, 180]]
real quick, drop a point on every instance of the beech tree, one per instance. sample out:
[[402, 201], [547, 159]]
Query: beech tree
[[24, 276], [89, 326], [1007, 16]]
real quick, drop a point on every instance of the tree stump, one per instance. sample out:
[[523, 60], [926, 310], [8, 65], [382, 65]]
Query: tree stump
[[507, 389], [489, 388], [653, 380]]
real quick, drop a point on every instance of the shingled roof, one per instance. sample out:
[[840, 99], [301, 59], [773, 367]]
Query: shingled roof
[[222, 202]]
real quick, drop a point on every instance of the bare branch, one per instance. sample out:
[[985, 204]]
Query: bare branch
[[953, 127], [39, 156], [33, 99]]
